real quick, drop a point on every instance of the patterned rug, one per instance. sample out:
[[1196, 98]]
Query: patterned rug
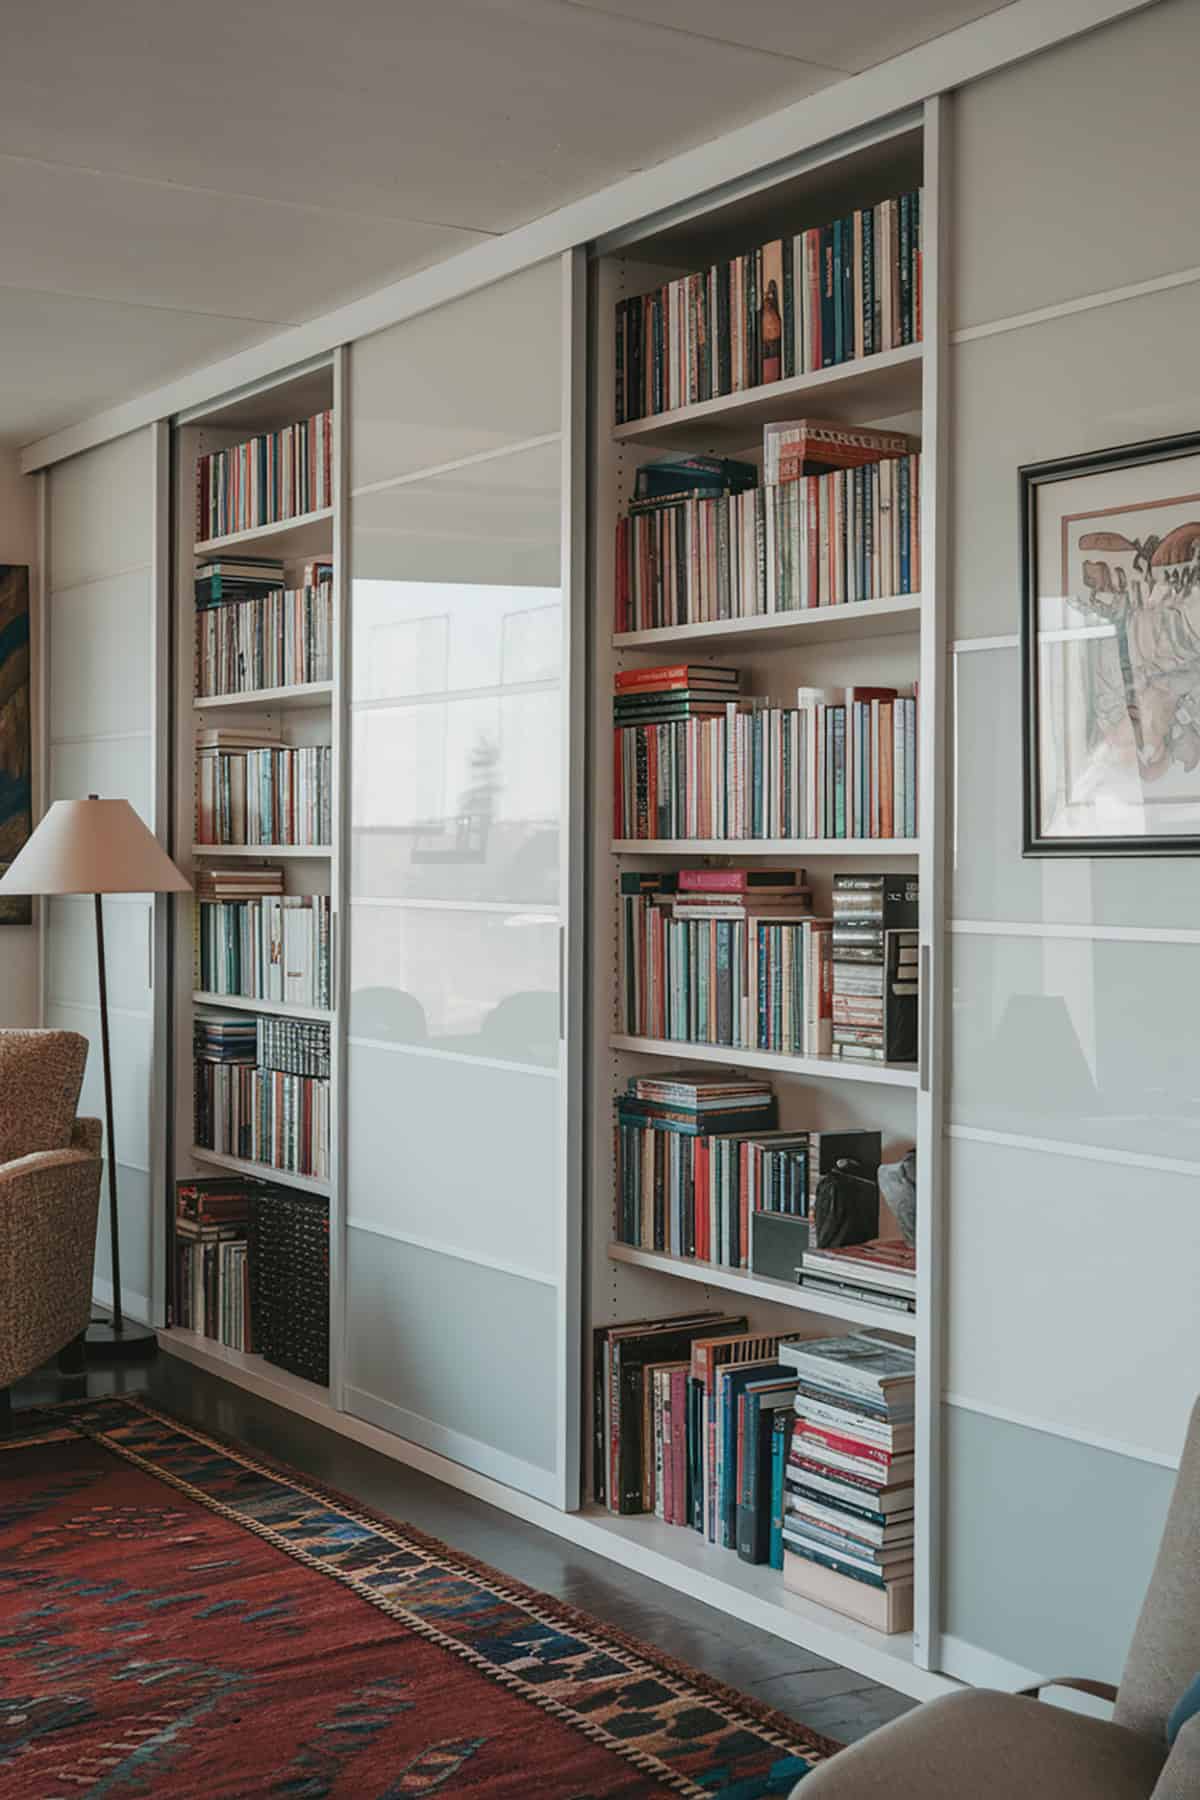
[[180, 1617]]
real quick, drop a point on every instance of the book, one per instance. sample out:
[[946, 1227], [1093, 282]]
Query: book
[[885, 1606], [884, 1263], [796, 447], [875, 998]]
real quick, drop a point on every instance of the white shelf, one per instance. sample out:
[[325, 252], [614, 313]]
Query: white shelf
[[815, 625], [755, 1593], [309, 852], [308, 1184], [764, 1287], [306, 693], [874, 387], [279, 1009], [309, 535], [241, 1366], [821, 1068], [869, 848]]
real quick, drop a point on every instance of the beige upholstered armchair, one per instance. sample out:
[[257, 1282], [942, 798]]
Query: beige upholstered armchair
[[49, 1195], [991, 1746]]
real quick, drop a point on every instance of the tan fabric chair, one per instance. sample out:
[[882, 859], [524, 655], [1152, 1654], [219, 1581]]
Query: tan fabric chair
[[990, 1746], [49, 1197]]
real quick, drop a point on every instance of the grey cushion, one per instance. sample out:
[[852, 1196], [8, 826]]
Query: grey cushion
[[1165, 1652], [979, 1745]]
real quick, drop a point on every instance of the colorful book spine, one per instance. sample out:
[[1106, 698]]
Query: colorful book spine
[[275, 476], [281, 639]]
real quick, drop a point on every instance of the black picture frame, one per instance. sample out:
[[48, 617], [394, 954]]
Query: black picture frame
[[1031, 478]]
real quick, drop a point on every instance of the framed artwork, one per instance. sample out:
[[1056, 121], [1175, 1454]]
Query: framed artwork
[[16, 741], [1111, 651]]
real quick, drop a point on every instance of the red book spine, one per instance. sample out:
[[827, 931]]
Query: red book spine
[[677, 675], [806, 1431], [713, 881], [618, 787]]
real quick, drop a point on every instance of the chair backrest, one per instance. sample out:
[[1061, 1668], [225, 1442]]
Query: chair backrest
[[41, 1073], [1165, 1653]]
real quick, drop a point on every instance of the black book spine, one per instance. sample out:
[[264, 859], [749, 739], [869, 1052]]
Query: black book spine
[[906, 334], [868, 280], [724, 340], [827, 310], [619, 402], [789, 309]]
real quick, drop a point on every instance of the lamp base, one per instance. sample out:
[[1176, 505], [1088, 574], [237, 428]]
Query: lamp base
[[102, 1342]]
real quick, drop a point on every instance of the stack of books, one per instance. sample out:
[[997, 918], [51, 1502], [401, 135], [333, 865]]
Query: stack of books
[[276, 638], [276, 475], [255, 942], [882, 1272], [293, 1046], [211, 1275], [251, 789], [875, 967], [679, 691], [226, 580], [825, 296], [841, 763], [730, 956], [837, 521], [848, 1502], [259, 1114]]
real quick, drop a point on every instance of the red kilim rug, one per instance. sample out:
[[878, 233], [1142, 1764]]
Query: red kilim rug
[[179, 1617]]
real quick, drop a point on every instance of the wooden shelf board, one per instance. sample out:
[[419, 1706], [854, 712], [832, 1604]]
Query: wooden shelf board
[[844, 847], [816, 625], [308, 693], [874, 387], [265, 852], [308, 1184], [277, 1008], [241, 1366], [311, 534], [763, 1287], [820, 1068], [755, 1593]]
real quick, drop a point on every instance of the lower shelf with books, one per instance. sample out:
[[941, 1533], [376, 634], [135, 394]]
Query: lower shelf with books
[[264, 1171], [763, 1287]]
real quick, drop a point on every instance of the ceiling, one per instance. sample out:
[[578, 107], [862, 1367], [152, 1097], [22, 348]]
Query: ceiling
[[179, 182]]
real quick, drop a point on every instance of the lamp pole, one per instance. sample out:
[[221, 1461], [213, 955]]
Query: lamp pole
[[118, 1317]]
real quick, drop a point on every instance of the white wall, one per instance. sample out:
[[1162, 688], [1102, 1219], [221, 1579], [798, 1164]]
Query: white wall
[[18, 544], [1073, 1351]]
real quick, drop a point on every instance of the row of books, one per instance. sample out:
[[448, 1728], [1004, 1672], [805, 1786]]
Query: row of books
[[791, 1451], [875, 967], [707, 964], [693, 759], [251, 789], [831, 535], [274, 476], [824, 296], [211, 1285], [259, 1114], [255, 942], [277, 639]]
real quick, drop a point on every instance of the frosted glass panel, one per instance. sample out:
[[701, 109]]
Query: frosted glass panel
[[489, 1190], [134, 1206], [991, 879], [115, 768], [100, 665], [456, 1137], [101, 510], [475, 983], [1088, 1042], [496, 354], [71, 952], [130, 1039], [462, 1357]]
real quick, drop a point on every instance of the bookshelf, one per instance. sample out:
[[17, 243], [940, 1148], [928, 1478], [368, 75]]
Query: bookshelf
[[895, 640], [300, 714]]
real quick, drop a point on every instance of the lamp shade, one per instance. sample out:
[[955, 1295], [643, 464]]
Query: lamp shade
[[92, 847]]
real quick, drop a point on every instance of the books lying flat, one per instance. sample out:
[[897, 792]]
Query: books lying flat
[[885, 1606], [882, 1263]]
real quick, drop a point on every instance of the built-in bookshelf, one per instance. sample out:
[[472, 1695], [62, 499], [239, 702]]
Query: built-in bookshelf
[[890, 641], [248, 895]]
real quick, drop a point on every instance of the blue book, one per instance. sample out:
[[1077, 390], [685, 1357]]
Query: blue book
[[781, 1437], [731, 1382]]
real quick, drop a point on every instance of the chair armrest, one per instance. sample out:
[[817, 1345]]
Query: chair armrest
[[48, 1207], [1102, 1690], [88, 1135], [1180, 1778]]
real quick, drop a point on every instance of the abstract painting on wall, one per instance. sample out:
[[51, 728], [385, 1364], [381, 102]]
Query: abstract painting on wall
[[1112, 652], [16, 737]]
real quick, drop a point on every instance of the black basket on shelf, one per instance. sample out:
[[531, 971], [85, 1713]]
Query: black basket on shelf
[[290, 1261]]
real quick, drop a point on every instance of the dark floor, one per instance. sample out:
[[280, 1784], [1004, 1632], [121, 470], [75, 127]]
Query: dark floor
[[832, 1700]]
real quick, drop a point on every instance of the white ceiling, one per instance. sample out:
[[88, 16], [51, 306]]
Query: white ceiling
[[177, 182]]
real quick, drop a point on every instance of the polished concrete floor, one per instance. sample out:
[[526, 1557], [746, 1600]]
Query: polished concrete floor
[[832, 1700]]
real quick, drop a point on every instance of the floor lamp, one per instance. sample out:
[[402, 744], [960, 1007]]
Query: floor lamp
[[98, 847]]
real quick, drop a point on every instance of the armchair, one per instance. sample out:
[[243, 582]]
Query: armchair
[[995, 1746], [49, 1199]]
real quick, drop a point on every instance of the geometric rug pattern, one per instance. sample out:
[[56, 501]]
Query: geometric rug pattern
[[182, 1617]]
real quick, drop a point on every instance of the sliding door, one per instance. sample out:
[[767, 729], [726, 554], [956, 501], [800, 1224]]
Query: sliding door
[[105, 659], [461, 1197]]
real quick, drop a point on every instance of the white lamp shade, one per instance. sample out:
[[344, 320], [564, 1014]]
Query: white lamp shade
[[92, 847]]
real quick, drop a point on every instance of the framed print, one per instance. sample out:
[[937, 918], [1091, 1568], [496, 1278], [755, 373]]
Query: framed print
[[16, 749], [1111, 651]]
